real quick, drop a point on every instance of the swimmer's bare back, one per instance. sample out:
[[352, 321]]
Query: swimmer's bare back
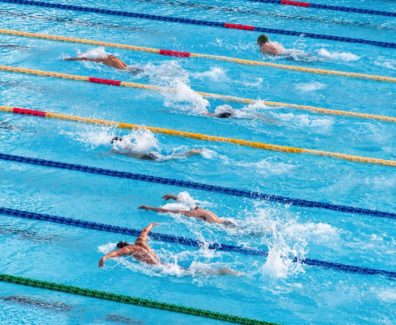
[[196, 213], [140, 250], [110, 60]]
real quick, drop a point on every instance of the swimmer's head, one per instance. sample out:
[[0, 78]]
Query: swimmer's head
[[122, 244], [224, 115], [262, 39], [116, 139]]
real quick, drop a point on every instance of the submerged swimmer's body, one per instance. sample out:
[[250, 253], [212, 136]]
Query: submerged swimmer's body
[[196, 212], [109, 60], [142, 252], [153, 156]]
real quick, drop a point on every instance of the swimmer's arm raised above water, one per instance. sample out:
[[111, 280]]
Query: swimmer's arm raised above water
[[170, 197]]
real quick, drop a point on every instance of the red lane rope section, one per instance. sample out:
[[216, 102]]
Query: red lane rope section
[[105, 81], [26, 111], [175, 53], [238, 26], [295, 3]]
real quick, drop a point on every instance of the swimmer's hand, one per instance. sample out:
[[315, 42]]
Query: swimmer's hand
[[169, 197], [144, 207], [101, 262]]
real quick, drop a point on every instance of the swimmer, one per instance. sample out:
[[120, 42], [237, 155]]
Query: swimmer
[[109, 60], [153, 156], [268, 47], [6, 126], [195, 212], [226, 111], [142, 252]]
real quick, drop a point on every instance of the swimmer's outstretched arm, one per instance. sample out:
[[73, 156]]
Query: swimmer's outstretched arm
[[84, 59], [161, 210], [112, 254]]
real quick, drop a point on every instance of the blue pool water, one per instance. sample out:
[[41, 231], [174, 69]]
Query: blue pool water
[[273, 288]]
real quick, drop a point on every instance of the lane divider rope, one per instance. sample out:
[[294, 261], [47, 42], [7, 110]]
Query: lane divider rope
[[188, 241], [140, 302], [181, 54], [198, 186], [200, 22], [109, 82], [328, 7], [199, 136]]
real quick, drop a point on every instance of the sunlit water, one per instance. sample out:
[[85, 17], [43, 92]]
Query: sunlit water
[[273, 288]]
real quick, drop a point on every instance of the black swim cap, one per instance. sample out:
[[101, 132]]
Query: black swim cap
[[122, 244], [262, 39], [224, 115], [116, 139]]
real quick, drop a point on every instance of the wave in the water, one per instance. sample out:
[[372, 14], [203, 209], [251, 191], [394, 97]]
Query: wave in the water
[[309, 86], [337, 56]]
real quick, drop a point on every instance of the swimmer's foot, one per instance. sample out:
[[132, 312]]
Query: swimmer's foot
[[194, 152], [228, 271]]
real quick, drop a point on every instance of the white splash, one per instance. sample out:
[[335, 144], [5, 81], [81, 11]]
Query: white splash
[[309, 86], [140, 141], [186, 99], [92, 136], [96, 53], [286, 239], [319, 124], [214, 74], [184, 202], [341, 56], [386, 63]]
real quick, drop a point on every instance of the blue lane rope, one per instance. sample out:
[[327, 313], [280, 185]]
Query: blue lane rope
[[198, 22], [198, 186], [188, 241], [338, 8]]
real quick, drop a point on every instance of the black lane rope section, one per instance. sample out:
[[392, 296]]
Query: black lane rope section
[[272, 13], [329, 7], [198, 186], [188, 241], [200, 22]]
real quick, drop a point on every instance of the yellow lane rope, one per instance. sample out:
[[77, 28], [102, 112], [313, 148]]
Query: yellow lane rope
[[314, 109], [205, 137], [200, 55]]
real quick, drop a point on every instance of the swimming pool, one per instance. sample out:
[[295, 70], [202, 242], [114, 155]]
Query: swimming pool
[[271, 289]]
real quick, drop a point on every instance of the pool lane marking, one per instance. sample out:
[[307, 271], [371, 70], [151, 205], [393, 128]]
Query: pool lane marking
[[140, 302], [200, 136], [188, 241], [198, 22], [181, 54], [136, 85], [197, 186]]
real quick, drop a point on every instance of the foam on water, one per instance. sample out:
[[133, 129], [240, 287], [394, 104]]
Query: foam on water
[[96, 53], [309, 86], [214, 74], [321, 125], [337, 56], [386, 63]]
